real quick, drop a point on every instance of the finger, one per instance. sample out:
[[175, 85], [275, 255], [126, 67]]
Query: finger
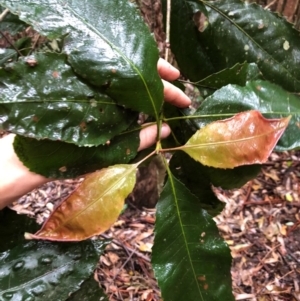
[[148, 135], [175, 96], [166, 70]]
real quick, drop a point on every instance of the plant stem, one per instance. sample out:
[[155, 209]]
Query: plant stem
[[166, 150], [199, 116], [168, 14], [10, 43], [4, 14], [145, 158], [159, 124]]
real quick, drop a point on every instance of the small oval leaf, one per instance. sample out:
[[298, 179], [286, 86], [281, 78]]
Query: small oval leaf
[[246, 138], [92, 208]]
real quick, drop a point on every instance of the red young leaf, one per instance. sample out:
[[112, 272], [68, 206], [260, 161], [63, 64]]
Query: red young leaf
[[92, 208], [246, 138]]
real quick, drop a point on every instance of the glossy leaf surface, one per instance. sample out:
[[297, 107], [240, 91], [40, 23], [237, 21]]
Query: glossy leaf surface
[[233, 32], [118, 56], [55, 159], [193, 60], [268, 98], [45, 271], [190, 259], [92, 208], [246, 138], [90, 290], [239, 74], [48, 100], [258, 36], [187, 171], [12, 227], [198, 179]]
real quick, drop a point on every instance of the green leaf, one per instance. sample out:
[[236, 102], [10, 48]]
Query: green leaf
[[246, 138], [198, 178], [12, 227], [255, 35], [268, 98], [24, 45], [41, 97], [55, 159], [6, 54], [89, 291], [107, 43], [189, 257], [92, 208], [195, 177], [231, 32], [11, 23], [190, 54], [45, 271], [239, 74]]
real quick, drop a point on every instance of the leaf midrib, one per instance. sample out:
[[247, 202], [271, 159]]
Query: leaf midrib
[[106, 191], [92, 28], [183, 232], [201, 145]]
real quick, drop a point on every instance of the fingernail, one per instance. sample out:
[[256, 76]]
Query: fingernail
[[165, 130], [172, 67]]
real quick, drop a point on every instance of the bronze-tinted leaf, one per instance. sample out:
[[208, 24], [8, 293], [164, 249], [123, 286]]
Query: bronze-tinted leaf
[[246, 138], [92, 208]]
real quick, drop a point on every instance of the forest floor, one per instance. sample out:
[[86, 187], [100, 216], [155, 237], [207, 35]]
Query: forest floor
[[260, 223]]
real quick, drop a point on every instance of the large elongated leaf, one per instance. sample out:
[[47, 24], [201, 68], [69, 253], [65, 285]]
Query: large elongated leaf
[[190, 259], [45, 99], [55, 159], [236, 31], [246, 138], [92, 208], [106, 42], [268, 98], [45, 271], [190, 54]]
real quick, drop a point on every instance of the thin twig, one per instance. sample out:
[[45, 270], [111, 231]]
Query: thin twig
[[10, 43], [123, 265], [167, 50], [34, 44], [270, 4], [131, 250], [4, 14], [249, 190]]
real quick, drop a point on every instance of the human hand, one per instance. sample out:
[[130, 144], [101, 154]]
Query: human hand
[[173, 95], [16, 180]]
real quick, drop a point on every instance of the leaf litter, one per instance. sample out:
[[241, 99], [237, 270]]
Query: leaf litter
[[261, 224]]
